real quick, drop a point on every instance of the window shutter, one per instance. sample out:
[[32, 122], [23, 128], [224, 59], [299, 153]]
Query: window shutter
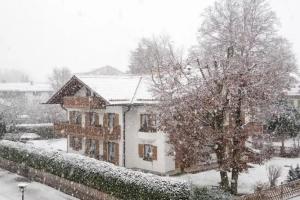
[[72, 142], [141, 150], [105, 151], [97, 149], [97, 119], [116, 161], [87, 119], [154, 152], [72, 117], [105, 120], [116, 120], [87, 146]]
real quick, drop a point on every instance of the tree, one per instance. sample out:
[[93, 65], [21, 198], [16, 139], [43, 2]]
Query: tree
[[239, 66], [274, 172], [294, 173], [284, 122], [59, 77], [149, 53]]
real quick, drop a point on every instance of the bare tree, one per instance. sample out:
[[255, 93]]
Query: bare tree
[[149, 53], [274, 172], [239, 66], [59, 77]]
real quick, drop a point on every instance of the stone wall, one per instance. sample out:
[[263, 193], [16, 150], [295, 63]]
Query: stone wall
[[69, 187]]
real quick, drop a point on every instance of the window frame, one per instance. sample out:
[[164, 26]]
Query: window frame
[[148, 155], [151, 122], [111, 154], [111, 120]]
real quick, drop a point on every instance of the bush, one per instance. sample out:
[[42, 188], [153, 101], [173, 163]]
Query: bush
[[118, 181], [209, 194], [294, 174]]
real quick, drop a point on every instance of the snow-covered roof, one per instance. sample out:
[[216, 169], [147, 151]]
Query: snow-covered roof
[[25, 87], [114, 89], [120, 89]]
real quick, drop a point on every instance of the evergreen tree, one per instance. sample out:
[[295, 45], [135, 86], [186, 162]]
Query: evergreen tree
[[284, 122], [293, 174]]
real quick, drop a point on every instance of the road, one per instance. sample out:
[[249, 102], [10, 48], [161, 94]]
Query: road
[[34, 191]]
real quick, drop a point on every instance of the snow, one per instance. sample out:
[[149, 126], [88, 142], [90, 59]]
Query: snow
[[147, 181], [51, 144], [28, 136], [35, 125], [25, 87], [34, 191], [120, 89], [247, 180]]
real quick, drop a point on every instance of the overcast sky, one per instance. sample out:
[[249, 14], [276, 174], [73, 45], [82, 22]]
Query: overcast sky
[[37, 35]]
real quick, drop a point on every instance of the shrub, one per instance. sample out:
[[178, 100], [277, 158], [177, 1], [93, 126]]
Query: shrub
[[274, 172], [118, 181], [294, 173], [209, 194]]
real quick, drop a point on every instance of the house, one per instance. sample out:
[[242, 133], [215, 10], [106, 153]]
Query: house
[[20, 102], [29, 90], [111, 118]]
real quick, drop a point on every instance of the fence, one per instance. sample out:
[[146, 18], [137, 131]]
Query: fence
[[282, 192]]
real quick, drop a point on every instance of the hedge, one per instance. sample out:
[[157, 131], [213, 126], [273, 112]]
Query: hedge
[[117, 181]]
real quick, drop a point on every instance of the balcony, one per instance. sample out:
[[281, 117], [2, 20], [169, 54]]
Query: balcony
[[83, 102], [97, 132]]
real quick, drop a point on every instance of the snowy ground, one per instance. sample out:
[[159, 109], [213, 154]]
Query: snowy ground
[[247, 180], [52, 144], [34, 191]]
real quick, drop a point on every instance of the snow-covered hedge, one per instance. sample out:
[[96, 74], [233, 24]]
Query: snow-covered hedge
[[118, 181], [209, 194]]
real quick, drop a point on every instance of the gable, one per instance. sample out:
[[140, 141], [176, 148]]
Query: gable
[[69, 89]]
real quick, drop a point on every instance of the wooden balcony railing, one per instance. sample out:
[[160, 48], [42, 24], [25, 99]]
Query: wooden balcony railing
[[84, 102], [97, 132]]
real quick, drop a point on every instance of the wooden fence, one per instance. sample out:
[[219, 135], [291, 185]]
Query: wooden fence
[[282, 192]]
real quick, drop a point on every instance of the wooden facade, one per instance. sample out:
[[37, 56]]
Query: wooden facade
[[83, 102]]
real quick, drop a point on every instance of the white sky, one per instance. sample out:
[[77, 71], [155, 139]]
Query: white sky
[[37, 35]]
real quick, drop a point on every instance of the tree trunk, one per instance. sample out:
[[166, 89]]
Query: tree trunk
[[282, 148], [181, 167], [220, 153], [224, 181], [234, 181], [238, 143]]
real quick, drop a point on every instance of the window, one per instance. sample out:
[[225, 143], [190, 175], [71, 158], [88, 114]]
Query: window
[[91, 118], [111, 119], [78, 118], [111, 151], [75, 143], [148, 123], [91, 148], [148, 152]]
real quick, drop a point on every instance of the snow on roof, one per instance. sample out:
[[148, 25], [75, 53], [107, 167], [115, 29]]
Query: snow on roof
[[120, 89], [25, 87]]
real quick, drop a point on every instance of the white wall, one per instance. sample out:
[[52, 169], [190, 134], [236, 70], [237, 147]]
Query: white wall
[[164, 163]]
